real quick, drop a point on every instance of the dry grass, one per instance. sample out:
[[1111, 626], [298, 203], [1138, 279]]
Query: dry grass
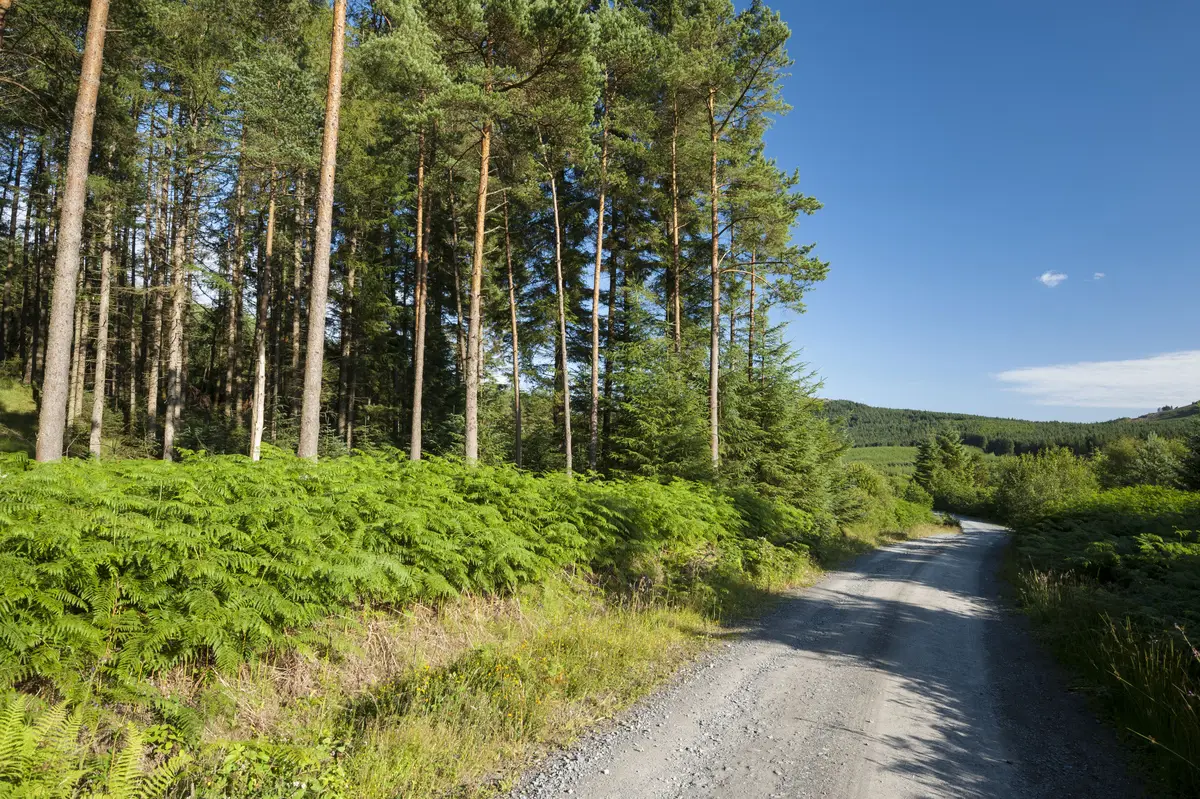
[[453, 700]]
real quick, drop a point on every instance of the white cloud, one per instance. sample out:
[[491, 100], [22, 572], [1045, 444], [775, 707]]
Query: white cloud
[[1098, 276], [1051, 279], [1172, 378]]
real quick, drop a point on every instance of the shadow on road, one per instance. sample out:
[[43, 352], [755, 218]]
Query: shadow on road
[[997, 718]]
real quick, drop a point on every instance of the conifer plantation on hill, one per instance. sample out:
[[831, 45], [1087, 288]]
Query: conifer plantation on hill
[[501, 274], [869, 426]]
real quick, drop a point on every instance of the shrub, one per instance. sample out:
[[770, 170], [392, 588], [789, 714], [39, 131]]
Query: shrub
[[1031, 485]]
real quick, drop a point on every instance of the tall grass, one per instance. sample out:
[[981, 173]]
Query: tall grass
[[1113, 604]]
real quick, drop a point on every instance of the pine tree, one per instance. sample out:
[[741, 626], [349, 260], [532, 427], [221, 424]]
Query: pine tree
[[52, 418], [310, 413]]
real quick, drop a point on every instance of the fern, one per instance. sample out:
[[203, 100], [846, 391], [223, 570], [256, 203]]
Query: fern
[[109, 571]]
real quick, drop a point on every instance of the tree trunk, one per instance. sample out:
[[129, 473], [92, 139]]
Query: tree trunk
[[350, 402], [676, 300], [474, 320], [29, 294], [154, 355], [233, 321], [750, 334], [131, 367], [297, 290], [610, 344], [258, 403], [52, 417], [12, 247], [420, 288], [102, 335], [274, 331], [314, 362], [560, 289], [175, 333], [714, 366], [516, 347], [597, 273], [347, 339], [460, 336], [79, 367]]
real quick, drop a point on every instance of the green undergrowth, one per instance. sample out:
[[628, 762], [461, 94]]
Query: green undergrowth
[[1112, 580], [364, 626]]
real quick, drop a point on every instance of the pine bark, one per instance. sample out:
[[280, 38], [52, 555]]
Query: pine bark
[[258, 403], [12, 248], [345, 362], [180, 297], [676, 280], [31, 296], [79, 357], [516, 347], [102, 336], [751, 331], [560, 290], [420, 287], [131, 368], [297, 290], [474, 320], [52, 417], [714, 366], [233, 319], [597, 273], [157, 290], [310, 413], [610, 345]]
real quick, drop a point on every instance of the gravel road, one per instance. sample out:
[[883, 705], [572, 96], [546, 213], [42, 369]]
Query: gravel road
[[905, 675]]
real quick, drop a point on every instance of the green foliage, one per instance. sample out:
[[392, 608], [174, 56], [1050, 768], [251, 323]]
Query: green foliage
[[113, 574], [1150, 461], [869, 498], [1029, 486], [1139, 543], [1113, 577], [869, 426], [55, 755], [954, 475], [1189, 471], [114, 571]]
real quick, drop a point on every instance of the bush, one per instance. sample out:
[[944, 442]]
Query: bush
[[1150, 461], [1029, 486]]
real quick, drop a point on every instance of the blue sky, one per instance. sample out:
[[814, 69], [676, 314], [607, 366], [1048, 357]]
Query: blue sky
[[962, 150]]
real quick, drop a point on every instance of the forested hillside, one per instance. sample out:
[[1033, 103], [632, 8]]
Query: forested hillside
[[869, 426]]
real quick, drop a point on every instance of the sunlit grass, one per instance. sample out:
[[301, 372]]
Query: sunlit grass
[[888, 460]]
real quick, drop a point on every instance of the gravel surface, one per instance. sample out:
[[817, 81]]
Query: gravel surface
[[904, 675]]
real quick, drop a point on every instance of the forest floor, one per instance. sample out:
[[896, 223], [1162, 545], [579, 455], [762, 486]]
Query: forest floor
[[905, 674]]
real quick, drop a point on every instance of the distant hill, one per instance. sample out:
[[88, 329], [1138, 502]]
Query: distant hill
[[869, 426]]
